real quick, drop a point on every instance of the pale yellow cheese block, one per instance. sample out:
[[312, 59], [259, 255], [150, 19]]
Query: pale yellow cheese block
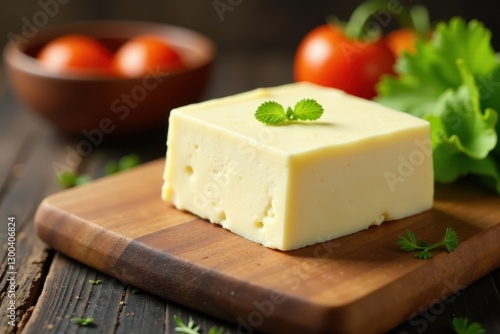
[[301, 183]]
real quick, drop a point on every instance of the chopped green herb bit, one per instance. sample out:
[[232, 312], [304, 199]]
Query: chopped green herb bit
[[128, 162], [70, 179], [125, 162], [89, 321]]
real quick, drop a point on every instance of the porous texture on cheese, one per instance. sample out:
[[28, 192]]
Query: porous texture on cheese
[[301, 183]]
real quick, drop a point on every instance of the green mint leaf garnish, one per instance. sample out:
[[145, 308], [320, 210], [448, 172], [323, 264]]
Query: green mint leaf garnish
[[409, 243], [83, 321], [307, 110], [273, 113], [270, 113], [462, 326]]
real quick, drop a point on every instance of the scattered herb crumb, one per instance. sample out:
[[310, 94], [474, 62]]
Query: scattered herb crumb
[[273, 113], [409, 244], [68, 179], [95, 282], [462, 326], [126, 162], [216, 330], [71, 179], [190, 328], [89, 321]]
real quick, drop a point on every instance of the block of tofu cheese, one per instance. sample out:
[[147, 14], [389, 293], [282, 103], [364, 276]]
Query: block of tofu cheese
[[300, 183]]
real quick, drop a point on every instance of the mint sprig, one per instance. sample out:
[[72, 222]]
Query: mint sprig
[[273, 113]]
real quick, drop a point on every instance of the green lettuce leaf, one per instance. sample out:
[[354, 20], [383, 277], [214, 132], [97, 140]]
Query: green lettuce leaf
[[488, 171], [460, 131], [425, 75], [453, 81], [489, 87]]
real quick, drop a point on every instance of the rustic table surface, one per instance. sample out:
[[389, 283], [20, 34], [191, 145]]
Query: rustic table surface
[[51, 289]]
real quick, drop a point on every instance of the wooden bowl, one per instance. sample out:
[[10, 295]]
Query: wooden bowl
[[81, 103]]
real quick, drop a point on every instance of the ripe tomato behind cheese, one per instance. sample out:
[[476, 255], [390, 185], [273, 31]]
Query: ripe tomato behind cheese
[[146, 53], [401, 40], [326, 56], [76, 52]]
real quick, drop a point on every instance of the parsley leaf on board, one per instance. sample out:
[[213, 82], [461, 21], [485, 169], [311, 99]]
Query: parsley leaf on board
[[462, 326], [410, 243], [190, 327]]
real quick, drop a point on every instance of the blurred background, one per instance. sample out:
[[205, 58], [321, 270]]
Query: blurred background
[[238, 27]]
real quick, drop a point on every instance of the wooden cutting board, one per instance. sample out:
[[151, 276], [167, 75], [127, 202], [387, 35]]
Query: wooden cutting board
[[362, 283]]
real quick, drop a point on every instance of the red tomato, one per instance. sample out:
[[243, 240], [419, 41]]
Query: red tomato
[[146, 53], [76, 52], [401, 40], [327, 57]]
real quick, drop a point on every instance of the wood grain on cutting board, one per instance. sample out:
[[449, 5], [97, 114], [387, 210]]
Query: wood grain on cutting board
[[360, 283]]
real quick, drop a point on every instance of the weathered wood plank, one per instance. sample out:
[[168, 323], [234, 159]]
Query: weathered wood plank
[[67, 294], [22, 194], [141, 313]]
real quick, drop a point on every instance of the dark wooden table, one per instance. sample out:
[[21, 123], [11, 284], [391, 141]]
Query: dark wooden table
[[52, 288]]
